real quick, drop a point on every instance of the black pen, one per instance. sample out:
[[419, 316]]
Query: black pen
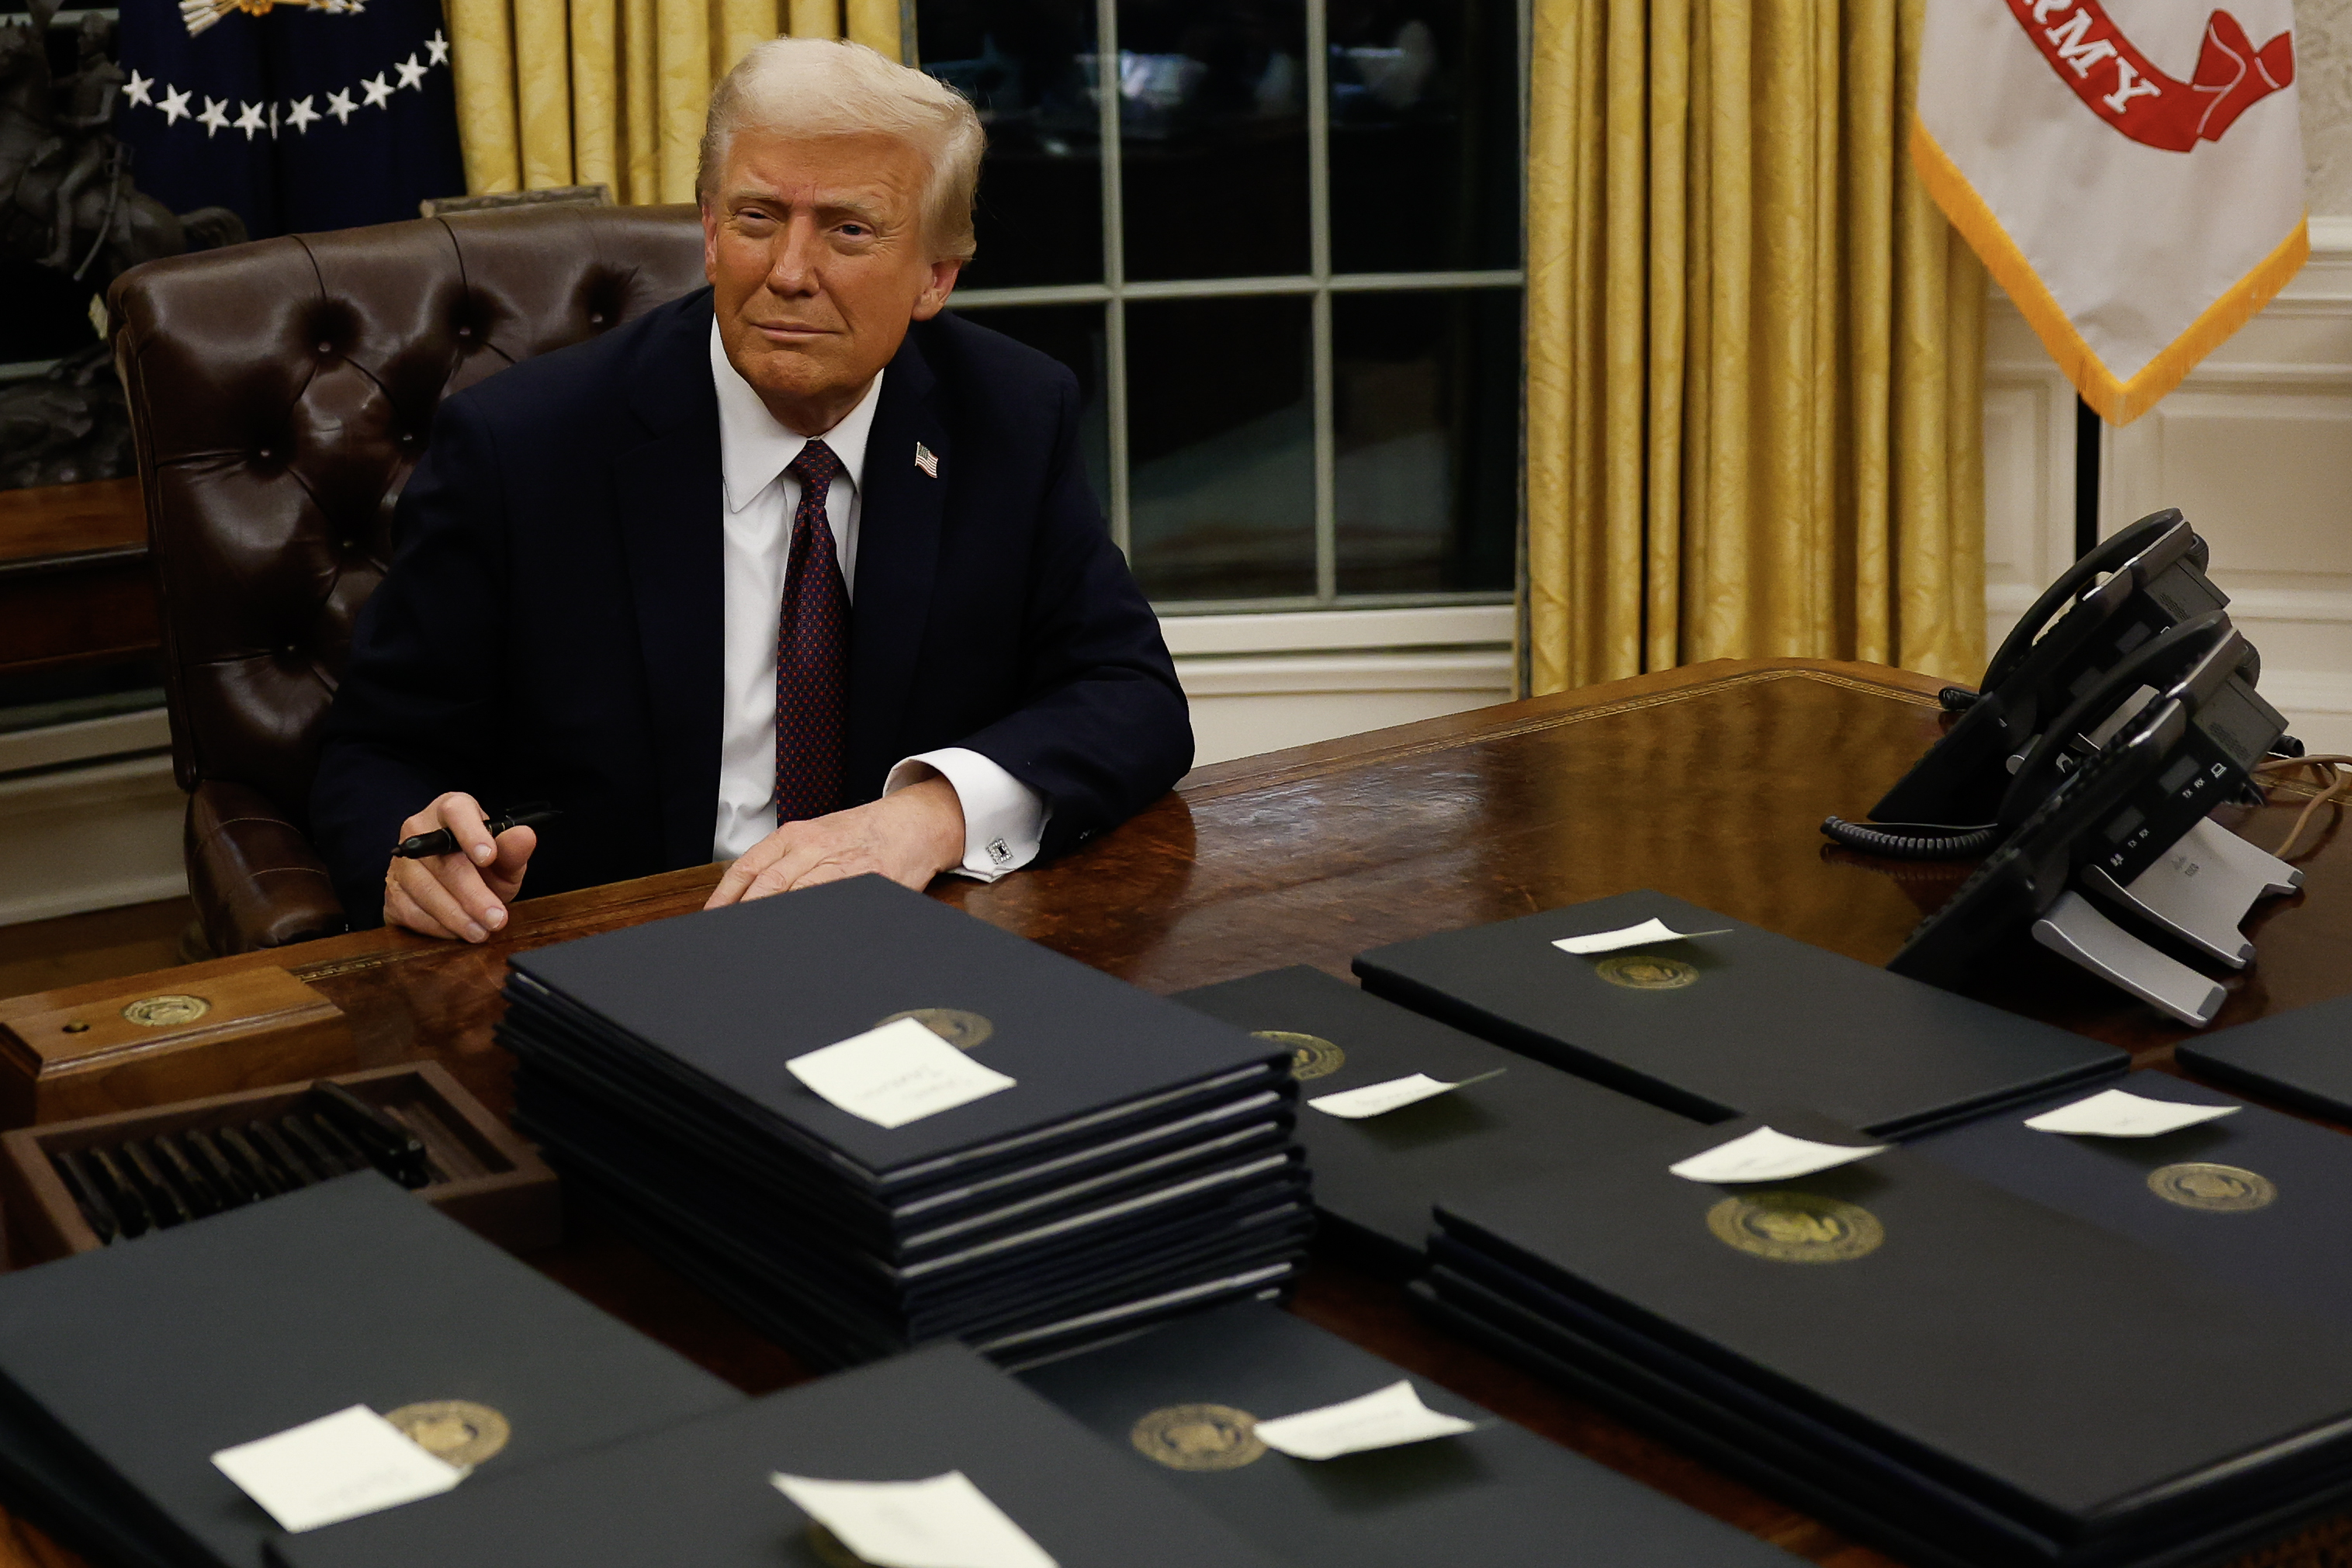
[[442, 842]]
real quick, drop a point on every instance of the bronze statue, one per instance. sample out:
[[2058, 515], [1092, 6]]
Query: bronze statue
[[67, 202]]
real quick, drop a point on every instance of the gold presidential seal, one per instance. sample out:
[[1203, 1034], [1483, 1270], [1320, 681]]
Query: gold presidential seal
[[1796, 1227], [964, 1031], [1198, 1438], [2216, 1189], [166, 1012], [455, 1431], [1645, 972], [1311, 1056]]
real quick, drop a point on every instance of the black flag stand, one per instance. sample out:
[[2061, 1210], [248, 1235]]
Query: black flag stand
[[2086, 479]]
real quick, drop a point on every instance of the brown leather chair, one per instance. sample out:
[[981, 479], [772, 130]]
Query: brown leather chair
[[280, 393]]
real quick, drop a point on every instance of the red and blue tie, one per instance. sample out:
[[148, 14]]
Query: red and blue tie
[[812, 650]]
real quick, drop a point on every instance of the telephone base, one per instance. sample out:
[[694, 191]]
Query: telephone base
[[2075, 929], [2201, 888]]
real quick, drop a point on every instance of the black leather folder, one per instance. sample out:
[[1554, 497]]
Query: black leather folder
[[2302, 1058], [699, 1494], [2261, 1199], [720, 1001], [134, 1364], [1726, 1025], [2055, 1374], [1375, 1179], [1500, 1497]]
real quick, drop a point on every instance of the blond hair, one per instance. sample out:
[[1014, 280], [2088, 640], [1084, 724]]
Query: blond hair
[[828, 87]]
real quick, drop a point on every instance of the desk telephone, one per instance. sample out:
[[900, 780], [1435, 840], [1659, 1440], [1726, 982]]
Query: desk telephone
[[2088, 767]]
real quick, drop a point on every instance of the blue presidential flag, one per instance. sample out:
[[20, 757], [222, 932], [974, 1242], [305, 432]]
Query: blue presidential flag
[[298, 114]]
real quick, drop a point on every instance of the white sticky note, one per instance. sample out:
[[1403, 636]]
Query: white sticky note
[[336, 1468], [943, 1522], [1652, 930], [2116, 1113], [896, 1074], [1765, 1154], [1389, 1418], [1379, 1099]]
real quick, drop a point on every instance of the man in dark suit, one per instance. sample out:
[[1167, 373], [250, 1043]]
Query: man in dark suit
[[794, 570]]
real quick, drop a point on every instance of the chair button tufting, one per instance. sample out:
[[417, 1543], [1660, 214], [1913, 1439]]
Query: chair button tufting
[[595, 317], [326, 347]]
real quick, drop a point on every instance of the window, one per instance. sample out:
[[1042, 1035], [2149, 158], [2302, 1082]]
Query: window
[[1279, 242]]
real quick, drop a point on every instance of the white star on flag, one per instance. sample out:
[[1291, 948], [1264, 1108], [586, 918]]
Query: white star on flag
[[437, 49], [175, 105], [300, 114], [249, 119], [378, 92], [411, 73], [339, 105], [136, 91], [212, 119], [273, 121]]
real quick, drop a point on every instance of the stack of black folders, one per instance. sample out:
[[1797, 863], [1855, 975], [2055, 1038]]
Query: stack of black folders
[[1967, 1377], [2298, 1057], [1376, 1177], [1141, 1163], [1182, 1402], [1732, 1024], [123, 1371], [698, 1495]]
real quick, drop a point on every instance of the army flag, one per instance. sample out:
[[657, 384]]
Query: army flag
[[298, 114], [2134, 179]]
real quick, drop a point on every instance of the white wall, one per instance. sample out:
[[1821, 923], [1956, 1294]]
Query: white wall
[[2255, 447]]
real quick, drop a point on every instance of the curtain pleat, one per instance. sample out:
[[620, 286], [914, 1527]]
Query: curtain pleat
[[561, 92], [1755, 351]]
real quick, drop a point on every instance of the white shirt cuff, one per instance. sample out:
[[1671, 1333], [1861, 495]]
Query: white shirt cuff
[[1003, 818]]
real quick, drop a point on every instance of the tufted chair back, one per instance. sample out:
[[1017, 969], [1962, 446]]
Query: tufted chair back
[[280, 394]]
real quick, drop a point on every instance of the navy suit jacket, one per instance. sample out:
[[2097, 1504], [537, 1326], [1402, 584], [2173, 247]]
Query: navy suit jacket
[[550, 629]]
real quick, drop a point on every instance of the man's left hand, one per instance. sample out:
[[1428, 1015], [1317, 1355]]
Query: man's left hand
[[909, 836]]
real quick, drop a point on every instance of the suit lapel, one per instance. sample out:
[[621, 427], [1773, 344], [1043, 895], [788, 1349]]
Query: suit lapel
[[669, 492], [900, 517]]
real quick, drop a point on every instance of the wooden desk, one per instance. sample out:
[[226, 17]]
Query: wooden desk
[[74, 585], [1707, 783]]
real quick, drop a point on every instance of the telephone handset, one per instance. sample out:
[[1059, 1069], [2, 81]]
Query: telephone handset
[[2119, 817], [2145, 580]]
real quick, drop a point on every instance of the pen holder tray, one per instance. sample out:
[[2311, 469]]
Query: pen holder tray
[[480, 1174]]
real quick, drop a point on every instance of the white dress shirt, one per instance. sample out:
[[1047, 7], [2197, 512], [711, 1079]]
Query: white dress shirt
[[1003, 818]]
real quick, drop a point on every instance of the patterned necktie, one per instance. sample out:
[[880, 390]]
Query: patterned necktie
[[811, 651]]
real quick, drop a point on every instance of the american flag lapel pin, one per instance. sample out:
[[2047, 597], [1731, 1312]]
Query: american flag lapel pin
[[926, 460]]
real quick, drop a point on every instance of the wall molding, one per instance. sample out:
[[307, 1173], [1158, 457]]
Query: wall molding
[[90, 838]]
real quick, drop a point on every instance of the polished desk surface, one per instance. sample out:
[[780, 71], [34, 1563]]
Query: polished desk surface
[[1707, 782]]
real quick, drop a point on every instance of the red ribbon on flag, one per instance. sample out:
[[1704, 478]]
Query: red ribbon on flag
[[2125, 88]]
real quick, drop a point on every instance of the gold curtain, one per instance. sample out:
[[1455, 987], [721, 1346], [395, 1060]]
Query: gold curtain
[[582, 92], [1754, 348]]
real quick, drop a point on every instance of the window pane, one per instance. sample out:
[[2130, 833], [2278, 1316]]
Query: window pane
[[1221, 447], [1023, 64], [1424, 135], [1425, 389], [1074, 335], [1213, 137]]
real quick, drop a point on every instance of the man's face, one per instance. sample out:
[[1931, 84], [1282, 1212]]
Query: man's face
[[818, 261]]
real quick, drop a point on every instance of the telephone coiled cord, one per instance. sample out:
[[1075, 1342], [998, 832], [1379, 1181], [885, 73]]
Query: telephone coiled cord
[[1919, 845]]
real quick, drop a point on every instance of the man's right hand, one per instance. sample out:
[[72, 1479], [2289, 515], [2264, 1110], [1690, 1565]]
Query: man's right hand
[[461, 895]]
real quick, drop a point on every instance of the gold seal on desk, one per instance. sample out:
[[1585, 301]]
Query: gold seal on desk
[[1645, 972], [1311, 1056], [166, 1012], [455, 1431], [1198, 1438], [2216, 1189], [964, 1031], [1796, 1227]]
